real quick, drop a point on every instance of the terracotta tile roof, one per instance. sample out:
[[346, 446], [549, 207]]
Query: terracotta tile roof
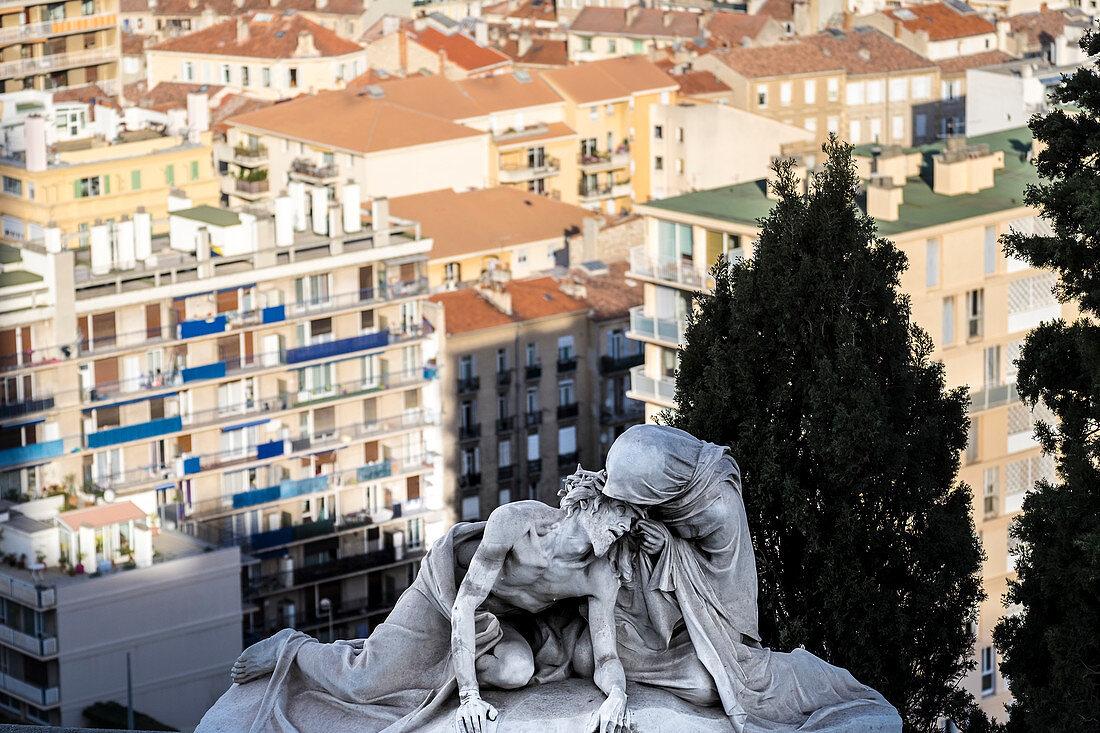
[[462, 50], [700, 82], [269, 37], [133, 6], [635, 21], [169, 94], [1043, 26], [761, 62], [232, 105], [544, 52], [552, 131], [465, 310], [378, 29], [867, 51], [781, 10], [348, 121], [102, 515], [973, 61], [730, 29], [488, 219], [133, 44], [465, 99], [940, 21], [532, 10], [597, 81], [610, 295], [89, 94], [226, 8]]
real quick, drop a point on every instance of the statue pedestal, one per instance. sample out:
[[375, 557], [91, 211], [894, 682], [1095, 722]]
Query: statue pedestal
[[565, 707]]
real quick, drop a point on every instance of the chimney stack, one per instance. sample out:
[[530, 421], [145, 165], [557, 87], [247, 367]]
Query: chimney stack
[[34, 132], [898, 28], [242, 30], [198, 117], [380, 220], [632, 14], [481, 33], [883, 198]]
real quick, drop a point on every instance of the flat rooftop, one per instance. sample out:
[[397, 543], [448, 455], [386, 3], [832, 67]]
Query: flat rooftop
[[746, 203]]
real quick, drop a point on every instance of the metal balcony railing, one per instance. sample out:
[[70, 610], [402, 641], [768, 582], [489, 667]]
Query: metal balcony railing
[[469, 384], [677, 271], [532, 371], [568, 411]]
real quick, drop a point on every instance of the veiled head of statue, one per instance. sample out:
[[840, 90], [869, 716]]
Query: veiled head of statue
[[651, 464]]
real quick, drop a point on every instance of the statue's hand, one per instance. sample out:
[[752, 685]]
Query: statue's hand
[[474, 714], [653, 536], [612, 717]]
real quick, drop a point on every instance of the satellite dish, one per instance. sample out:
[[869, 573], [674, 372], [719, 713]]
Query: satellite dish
[[109, 495]]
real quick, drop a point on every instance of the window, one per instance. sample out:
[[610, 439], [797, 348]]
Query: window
[[932, 263], [504, 453], [679, 165], [810, 124], [679, 134], [639, 47], [135, 180], [785, 94], [13, 186], [87, 7], [920, 123], [897, 127], [531, 355], [566, 392], [876, 129], [467, 414], [471, 508], [586, 43], [292, 78], [658, 163], [991, 483], [658, 132], [567, 440], [532, 446], [855, 134], [975, 305], [466, 367], [611, 45], [948, 326], [922, 87], [452, 272], [989, 678], [194, 170], [502, 360], [990, 250], [265, 77], [951, 89], [188, 71], [853, 92], [531, 400], [833, 125], [565, 348], [992, 367], [762, 96], [876, 90], [593, 113], [833, 89], [224, 73], [170, 175], [898, 90], [809, 90], [87, 187], [246, 76]]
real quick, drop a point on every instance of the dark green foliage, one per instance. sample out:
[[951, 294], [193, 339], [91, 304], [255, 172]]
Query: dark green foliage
[[112, 716], [1051, 648], [805, 362]]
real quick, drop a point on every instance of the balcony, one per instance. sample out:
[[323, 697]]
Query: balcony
[[599, 162], [469, 384], [40, 646], [529, 170], [249, 156], [27, 32], [504, 377], [290, 488], [532, 419], [470, 481], [534, 467], [567, 364], [610, 364], [568, 460], [246, 189], [35, 452], [683, 272], [987, 399], [310, 172], [664, 331], [40, 696], [141, 431], [259, 541], [660, 391], [506, 473], [349, 565], [532, 372], [54, 62], [506, 424], [327, 349], [469, 432], [25, 407], [630, 411], [568, 411], [27, 594]]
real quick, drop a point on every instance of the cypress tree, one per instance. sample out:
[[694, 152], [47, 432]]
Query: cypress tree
[[804, 360]]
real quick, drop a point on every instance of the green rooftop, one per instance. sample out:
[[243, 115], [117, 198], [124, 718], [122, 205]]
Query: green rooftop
[[19, 277], [209, 215], [9, 255], [745, 203]]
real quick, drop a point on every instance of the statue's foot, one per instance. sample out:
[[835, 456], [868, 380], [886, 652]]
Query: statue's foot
[[259, 659]]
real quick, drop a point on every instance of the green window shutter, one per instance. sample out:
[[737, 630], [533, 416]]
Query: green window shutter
[[135, 180], [194, 170], [170, 175], [76, 189], [106, 184]]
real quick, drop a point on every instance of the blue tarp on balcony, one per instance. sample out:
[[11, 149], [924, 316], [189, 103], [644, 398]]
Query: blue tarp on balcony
[[206, 371], [297, 487], [191, 329], [263, 540], [191, 465], [252, 498], [269, 450], [335, 348], [149, 429], [35, 452], [273, 314], [374, 471]]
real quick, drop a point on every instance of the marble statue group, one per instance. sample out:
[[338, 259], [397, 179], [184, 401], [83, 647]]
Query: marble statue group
[[644, 576]]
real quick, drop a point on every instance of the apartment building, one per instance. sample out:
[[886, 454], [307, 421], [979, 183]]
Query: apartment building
[[609, 104], [488, 229], [534, 379], [859, 83], [269, 55], [52, 45], [944, 206], [599, 33], [72, 165], [953, 87], [275, 390], [936, 31], [171, 18]]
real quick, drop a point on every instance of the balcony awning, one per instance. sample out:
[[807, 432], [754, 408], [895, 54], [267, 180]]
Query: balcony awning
[[244, 425]]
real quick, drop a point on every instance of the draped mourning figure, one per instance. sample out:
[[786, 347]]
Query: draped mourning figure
[[644, 575]]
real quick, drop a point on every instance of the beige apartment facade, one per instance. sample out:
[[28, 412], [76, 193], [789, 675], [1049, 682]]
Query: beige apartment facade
[[276, 391], [976, 304]]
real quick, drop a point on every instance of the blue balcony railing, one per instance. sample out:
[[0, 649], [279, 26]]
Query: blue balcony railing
[[25, 407], [193, 329], [273, 314], [34, 452], [125, 434], [374, 471], [206, 371], [335, 348]]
